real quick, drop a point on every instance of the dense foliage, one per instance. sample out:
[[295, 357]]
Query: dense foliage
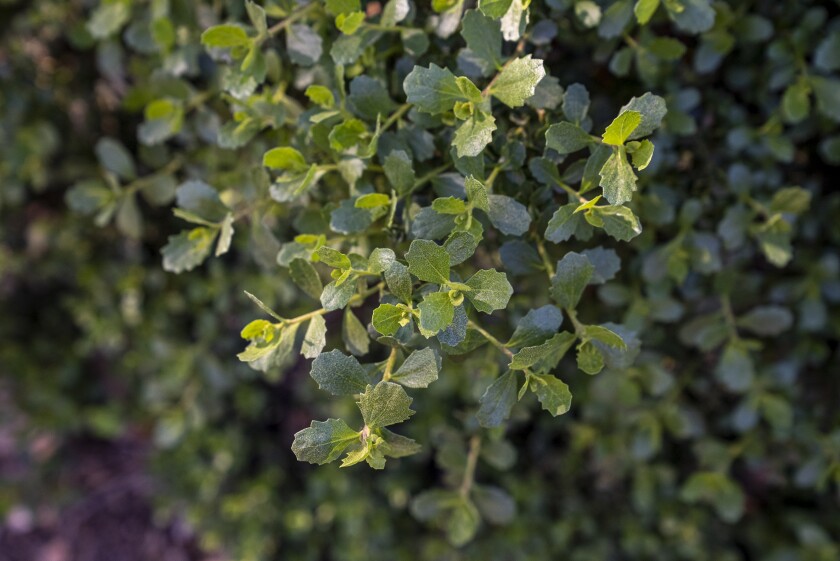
[[434, 223]]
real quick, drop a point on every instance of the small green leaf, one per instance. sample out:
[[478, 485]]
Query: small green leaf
[[333, 258], [618, 221], [622, 127], [225, 36], [494, 8], [384, 404], [285, 158], [321, 96], [498, 400], [323, 441], [306, 277], [373, 200], [338, 373], [604, 335], [354, 334], [336, 296], [436, 90], [399, 281], [490, 290], [387, 318], [476, 193], [399, 171], [517, 81], [449, 205], [187, 250], [566, 138], [419, 370], [553, 393], [349, 23], [436, 313], [589, 358], [617, 178], [545, 356], [652, 109], [508, 215], [644, 10], [428, 261], [484, 39], [474, 134], [537, 326], [572, 275], [642, 155], [315, 338]]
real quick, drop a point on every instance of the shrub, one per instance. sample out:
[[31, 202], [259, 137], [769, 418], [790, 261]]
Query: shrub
[[453, 216]]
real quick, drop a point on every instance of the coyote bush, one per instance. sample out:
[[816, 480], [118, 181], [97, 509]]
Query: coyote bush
[[454, 216]]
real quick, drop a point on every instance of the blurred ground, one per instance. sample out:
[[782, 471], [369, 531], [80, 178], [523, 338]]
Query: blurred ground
[[109, 519]]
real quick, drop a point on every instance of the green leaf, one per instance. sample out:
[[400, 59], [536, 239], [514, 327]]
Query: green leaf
[[617, 178], [796, 102], [225, 36], [381, 259], [589, 358], [604, 335], [717, 490], [323, 441], [622, 127], [354, 334], [387, 318], [285, 158], [576, 103], [315, 338], [474, 134], [225, 235], [348, 134], [398, 280], [306, 277], [187, 250], [735, 369], [619, 222], [335, 297], [553, 393], [508, 215], [399, 171], [768, 321], [397, 446], [642, 155], [373, 200], [201, 199], [336, 7], [420, 369], [384, 404], [490, 290], [793, 200], [545, 356], [436, 90], [566, 138], [333, 258], [652, 109], [494, 8], [537, 326], [644, 10], [517, 81], [449, 205], [477, 193], [498, 400], [321, 96], [693, 16], [349, 23], [303, 45], [114, 157], [428, 261], [338, 373], [436, 313], [563, 224], [484, 38], [573, 273], [666, 48]]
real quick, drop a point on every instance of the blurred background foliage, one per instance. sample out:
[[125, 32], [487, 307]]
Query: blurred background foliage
[[711, 446]]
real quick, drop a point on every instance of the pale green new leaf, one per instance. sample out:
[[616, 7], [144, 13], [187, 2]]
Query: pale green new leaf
[[436, 313], [617, 178], [517, 81], [622, 127], [474, 134]]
